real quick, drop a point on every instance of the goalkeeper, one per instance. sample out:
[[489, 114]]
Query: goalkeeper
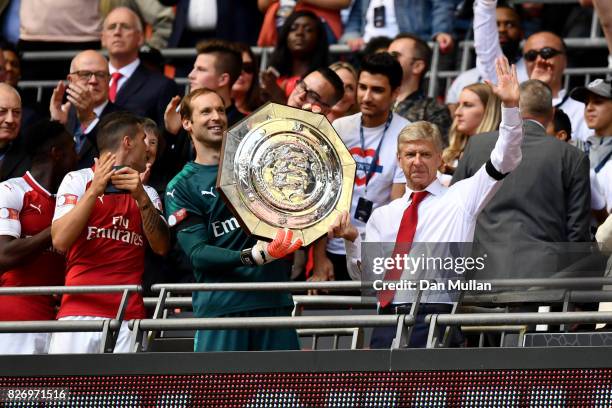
[[218, 249]]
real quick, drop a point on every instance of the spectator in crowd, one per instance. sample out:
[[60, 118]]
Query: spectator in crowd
[[87, 102], [371, 137], [348, 104], [26, 257], [152, 140], [317, 91], [219, 250], [133, 87], [159, 17], [105, 213], [229, 20], [598, 115], [376, 44], [508, 25], [14, 160], [414, 55], [430, 212], [56, 26], [560, 127], [302, 47], [478, 112], [30, 111], [217, 66], [546, 199], [427, 19], [277, 12], [545, 57], [245, 91]]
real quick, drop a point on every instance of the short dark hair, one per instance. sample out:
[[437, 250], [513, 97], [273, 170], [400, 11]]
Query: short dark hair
[[228, 57], [113, 127], [9, 46], [375, 44], [421, 48], [186, 110], [385, 64], [562, 122], [333, 78], [42, 136]]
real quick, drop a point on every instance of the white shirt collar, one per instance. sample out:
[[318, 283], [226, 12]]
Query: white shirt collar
[[559, 97], [98, 109], [435, 188], [127, 70]]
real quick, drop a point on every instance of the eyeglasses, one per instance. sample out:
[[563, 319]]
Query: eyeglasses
[[85, 75], [311, 96], [545, 53], [248, 68]]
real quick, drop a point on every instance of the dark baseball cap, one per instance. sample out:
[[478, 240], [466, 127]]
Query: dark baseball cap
[[598, 87]]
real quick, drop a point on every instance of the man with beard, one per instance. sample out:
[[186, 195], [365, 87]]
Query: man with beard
[[510, 34], [217, 247]]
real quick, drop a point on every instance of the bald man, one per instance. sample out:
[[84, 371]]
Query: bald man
[[132, 86], [13, 159], [86, 102]]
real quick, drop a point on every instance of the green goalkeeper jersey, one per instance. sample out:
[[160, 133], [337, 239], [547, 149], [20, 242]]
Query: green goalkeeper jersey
[[212, 238]]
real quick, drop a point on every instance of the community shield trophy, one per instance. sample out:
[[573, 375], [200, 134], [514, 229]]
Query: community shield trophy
[[283, 167]]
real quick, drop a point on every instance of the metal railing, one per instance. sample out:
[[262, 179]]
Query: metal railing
[[108, 327], [434, 73]]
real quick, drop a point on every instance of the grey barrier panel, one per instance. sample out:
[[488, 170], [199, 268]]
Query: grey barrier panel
[[522, 318], [306, 361]]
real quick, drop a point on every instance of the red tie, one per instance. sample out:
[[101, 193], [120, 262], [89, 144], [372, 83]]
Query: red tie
[[403, 242], [112, 91]]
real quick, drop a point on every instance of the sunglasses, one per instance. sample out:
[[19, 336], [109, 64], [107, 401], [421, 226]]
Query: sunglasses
[[248, 68], [545, 53]]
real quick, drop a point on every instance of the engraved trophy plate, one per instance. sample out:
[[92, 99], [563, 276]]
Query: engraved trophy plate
[[283, 167]]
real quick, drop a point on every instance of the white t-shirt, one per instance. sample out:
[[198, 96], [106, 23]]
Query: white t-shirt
[[385, 174], [390, 29]]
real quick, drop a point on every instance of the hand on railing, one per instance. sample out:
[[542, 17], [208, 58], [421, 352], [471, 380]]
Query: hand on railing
[[446, 42]]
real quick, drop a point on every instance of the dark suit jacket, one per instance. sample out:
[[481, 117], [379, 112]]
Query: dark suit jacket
[[16, 160], [89, 150], [547, 199], [147, 93]]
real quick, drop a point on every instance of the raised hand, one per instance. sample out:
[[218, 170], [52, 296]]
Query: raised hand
[[57, 110], [102, 173], [172, 119], [128, 179], [81, 98], [342, 228], [507, 88]]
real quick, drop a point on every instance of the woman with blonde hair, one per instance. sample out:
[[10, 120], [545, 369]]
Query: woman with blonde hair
[[348, 104], [478, 111]]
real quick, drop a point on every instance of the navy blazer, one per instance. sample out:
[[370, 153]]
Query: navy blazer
[[147, 93]]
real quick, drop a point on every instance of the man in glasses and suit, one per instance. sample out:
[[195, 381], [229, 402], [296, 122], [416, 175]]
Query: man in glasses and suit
[[81, 104]]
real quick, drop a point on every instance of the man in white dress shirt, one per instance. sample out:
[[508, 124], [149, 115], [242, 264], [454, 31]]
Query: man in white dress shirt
[[444, 214]]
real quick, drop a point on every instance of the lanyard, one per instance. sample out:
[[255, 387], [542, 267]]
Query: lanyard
[[370, 172]]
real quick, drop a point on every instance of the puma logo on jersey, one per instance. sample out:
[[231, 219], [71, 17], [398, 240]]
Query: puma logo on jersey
[[171, 193], [39, 208], [101, 198], [211, 192], [9, 187]]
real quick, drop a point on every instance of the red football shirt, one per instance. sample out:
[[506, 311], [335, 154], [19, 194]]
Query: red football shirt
[[109, 251], [26, 209]]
